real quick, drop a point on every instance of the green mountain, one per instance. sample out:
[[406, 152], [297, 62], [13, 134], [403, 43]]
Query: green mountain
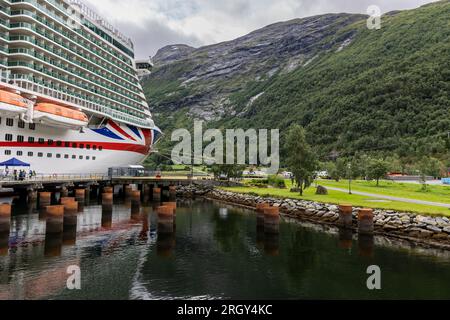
[[352, 88]]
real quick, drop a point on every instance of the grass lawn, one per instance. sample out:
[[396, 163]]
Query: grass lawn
[[396, 189], [336, 197]]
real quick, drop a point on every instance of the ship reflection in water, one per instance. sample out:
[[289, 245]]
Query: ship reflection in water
[[213, 251]]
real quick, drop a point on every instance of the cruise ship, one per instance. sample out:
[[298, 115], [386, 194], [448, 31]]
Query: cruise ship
[[70, 97]]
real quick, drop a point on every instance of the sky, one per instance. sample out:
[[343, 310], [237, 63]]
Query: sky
[[153, 24]]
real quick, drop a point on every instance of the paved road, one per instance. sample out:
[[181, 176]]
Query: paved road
[[378, 196]]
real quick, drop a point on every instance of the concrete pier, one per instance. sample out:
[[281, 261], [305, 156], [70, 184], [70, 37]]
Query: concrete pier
[[5, 218], [45, 199], [165, 219], [80, 195], [32, 196], [70, 213], [345, 216], [260, 207], [272, 220], [64, 192], [135, 205], [4, 243], [172, 192], [108, 190], [127, 191], [55, 219], [157, 194], [107, 210], [365, 221]]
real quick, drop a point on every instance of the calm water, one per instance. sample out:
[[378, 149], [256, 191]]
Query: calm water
[[216, 252]]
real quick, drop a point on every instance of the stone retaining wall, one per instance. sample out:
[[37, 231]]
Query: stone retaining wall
[[434, 231]]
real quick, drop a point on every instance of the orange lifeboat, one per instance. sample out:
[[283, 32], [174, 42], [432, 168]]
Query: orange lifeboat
[[59, 116], [13, 103]]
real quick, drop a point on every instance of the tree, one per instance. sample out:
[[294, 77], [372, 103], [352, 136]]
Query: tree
[[301, 159], [229, 171], [377, 169]]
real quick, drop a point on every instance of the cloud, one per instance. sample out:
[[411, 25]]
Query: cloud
[[153, 24]]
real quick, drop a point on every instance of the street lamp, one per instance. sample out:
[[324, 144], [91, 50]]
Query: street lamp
[[349, 178]]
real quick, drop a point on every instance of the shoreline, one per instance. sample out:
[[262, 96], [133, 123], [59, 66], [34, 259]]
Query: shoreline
[[431, 232]]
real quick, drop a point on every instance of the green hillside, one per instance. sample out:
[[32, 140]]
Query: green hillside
[[386, 91]]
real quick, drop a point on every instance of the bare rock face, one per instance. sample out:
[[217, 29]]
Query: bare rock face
[[203, 81]]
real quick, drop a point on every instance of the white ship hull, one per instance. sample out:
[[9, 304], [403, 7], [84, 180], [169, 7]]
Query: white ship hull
[[65, 151]]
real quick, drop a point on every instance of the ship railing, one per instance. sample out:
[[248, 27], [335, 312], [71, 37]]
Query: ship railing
[[54, 178], [24, 82]]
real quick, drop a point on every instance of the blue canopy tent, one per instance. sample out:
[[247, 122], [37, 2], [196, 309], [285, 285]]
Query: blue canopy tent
[[14, 163]]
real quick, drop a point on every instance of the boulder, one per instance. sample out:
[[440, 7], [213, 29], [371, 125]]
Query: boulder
[[322, 191]]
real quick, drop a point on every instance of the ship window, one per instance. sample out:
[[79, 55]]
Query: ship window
[[74, 145], [58, 143], [81, 146], [20, 138], [74, 157], [49, 155], [67, 144], [88, 158], [30, 154], [94, 158], [58, 156], [94, 148], [30, 139], [8, 137], [88, 146], [81, 157], [7, 152], [32, 126], [100, 148], [50, 142], [21, 124], [10, 122], [66, 156], [41, 141], [40, 154], [19, 153]]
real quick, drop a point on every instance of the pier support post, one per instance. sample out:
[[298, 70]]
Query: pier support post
[[127, 190], [172, 192], [32, 196], [80, 195], [272, 220], [365, 221], [45, 199], [157, 194], [260, 207], [135, 204], [5, 218], [4, 243], [70, 213], [64, 192], [146, 192], [55, 219], [345, 216], [108, 190], [165, 219], [70, 222], [107, 210]]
